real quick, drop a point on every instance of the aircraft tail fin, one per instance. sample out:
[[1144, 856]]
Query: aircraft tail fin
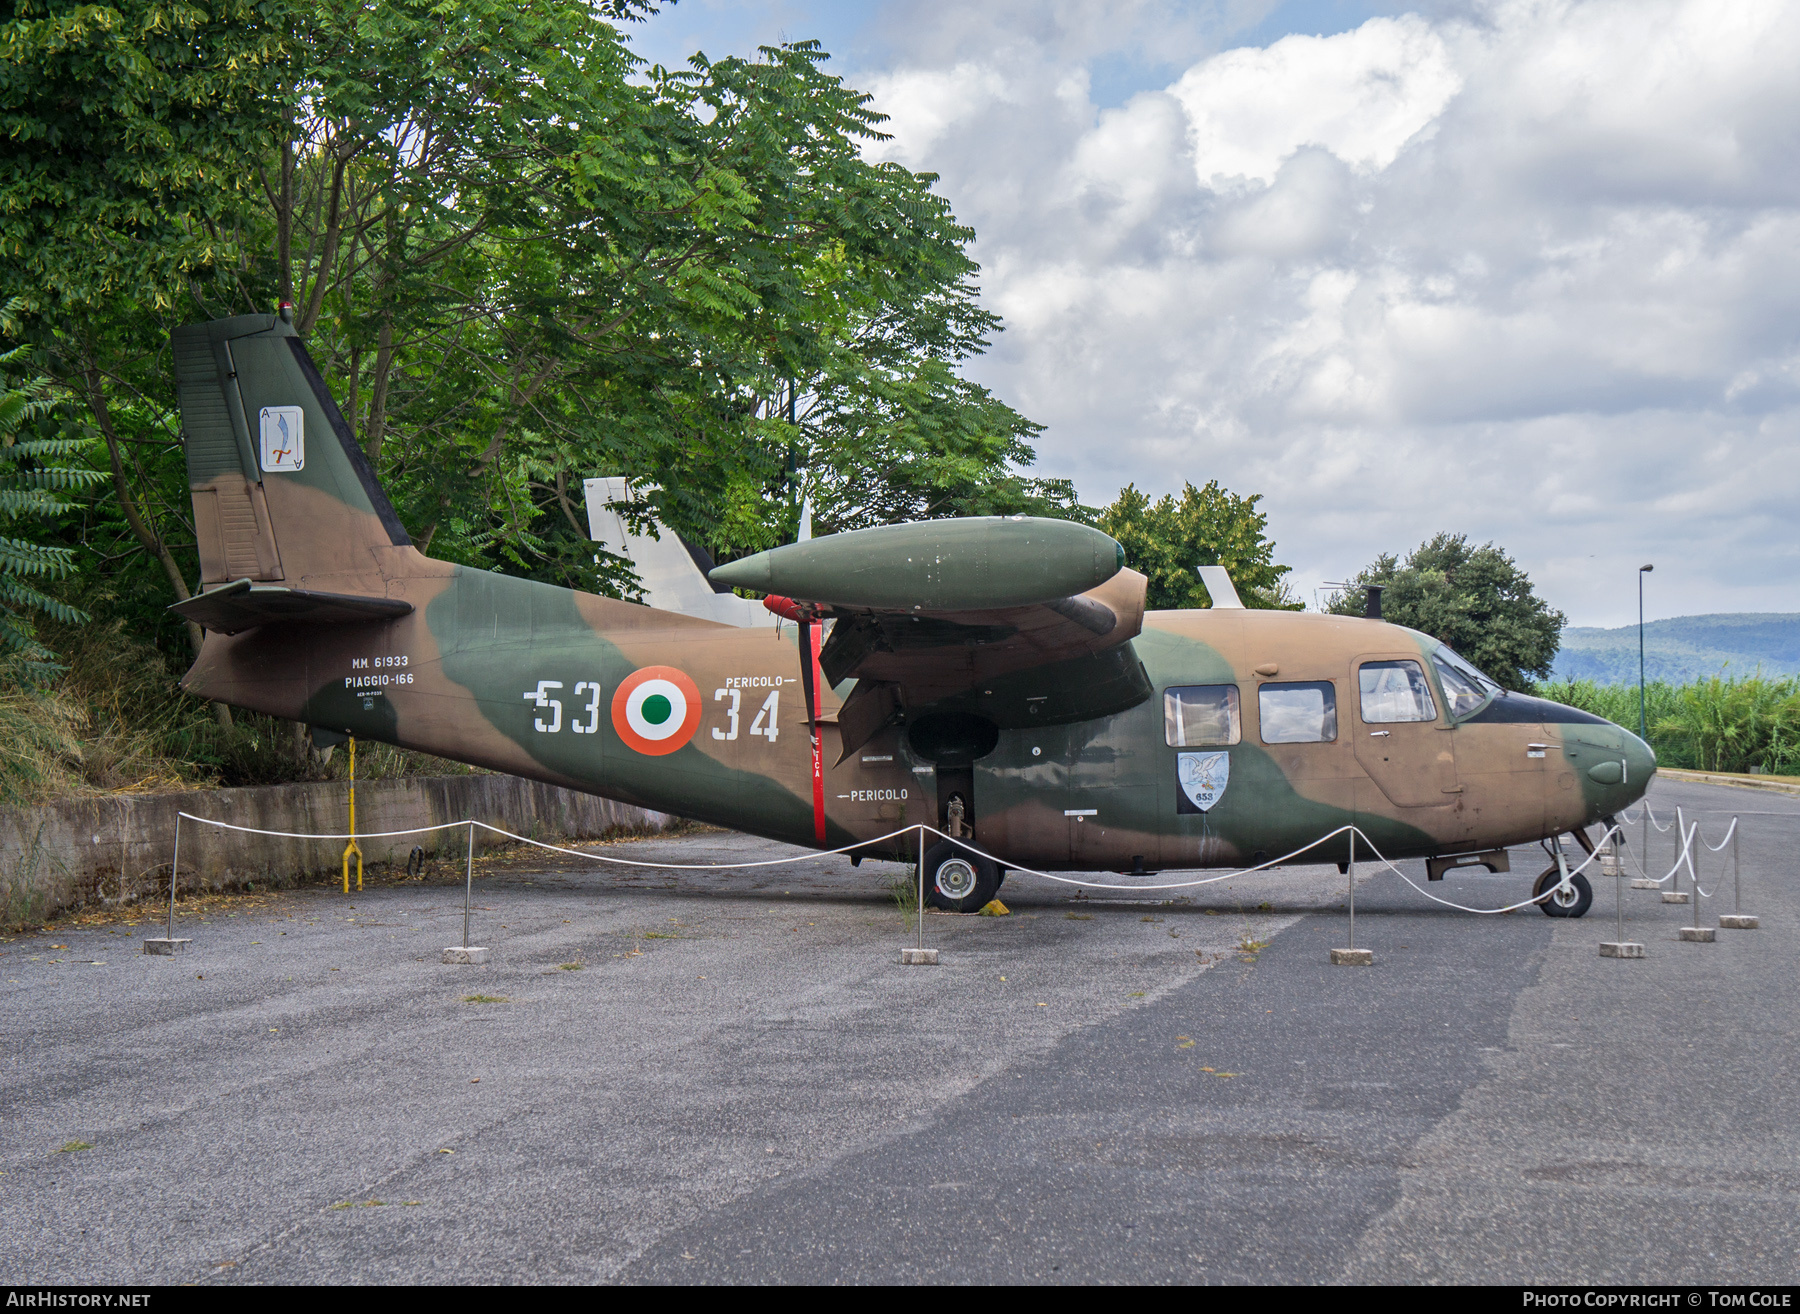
[[672, 570], [281, 492]]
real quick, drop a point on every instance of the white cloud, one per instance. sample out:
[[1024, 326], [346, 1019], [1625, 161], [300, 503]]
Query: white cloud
[[1361, 95], [1531, 274]]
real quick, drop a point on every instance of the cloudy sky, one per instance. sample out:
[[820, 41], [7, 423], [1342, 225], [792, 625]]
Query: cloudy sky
[[1523, 269]]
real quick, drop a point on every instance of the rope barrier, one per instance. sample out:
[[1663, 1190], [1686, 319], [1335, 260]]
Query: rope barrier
[[1381, 859]]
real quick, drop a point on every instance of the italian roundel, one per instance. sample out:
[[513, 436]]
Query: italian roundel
[[657, 710]]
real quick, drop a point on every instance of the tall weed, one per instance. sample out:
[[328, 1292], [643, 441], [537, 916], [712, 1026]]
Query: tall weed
[[1739, 723]]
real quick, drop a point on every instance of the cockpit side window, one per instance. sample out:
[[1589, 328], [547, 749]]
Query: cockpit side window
[[1466, 689], [1201, 715], [1395, 691]]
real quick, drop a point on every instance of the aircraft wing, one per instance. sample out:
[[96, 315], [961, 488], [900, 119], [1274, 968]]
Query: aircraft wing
[[1018, 620]]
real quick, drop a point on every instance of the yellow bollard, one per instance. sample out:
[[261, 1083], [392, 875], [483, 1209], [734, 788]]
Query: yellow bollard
[[353, 846]]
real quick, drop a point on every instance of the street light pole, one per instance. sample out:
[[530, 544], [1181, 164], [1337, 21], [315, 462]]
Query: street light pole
[[1643, 730]]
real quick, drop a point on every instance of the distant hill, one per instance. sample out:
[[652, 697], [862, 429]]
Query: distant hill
[[1684, 648]]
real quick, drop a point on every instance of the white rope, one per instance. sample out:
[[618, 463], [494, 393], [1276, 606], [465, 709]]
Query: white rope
[[557, 848], [1651, 814], [295, 834], [1719, 847], [1353, 829], [1512, 907], [1380, 858]]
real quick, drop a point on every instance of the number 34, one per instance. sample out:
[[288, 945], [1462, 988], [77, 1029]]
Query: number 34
[[542, 699]]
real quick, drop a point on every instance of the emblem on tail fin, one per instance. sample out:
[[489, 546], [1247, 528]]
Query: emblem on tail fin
[[283, 438]]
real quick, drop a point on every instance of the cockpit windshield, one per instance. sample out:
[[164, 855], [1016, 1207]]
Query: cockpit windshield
[[1465, 688]]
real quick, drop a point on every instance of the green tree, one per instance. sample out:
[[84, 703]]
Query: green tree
[[521, 258], [34, 481], [1476, 599], [1168, 538]]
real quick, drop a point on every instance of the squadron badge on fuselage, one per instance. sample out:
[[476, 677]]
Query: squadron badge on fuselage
[[1203, 777]]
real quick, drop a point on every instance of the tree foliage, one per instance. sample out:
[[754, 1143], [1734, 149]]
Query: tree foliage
[[1476, 599], [1168, 538], [35, 481], [521, 257]]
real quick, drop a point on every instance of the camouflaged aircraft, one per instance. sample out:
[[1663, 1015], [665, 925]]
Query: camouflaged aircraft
[[996, 678]]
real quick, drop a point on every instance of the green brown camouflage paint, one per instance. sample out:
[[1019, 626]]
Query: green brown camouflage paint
[[538, 681]]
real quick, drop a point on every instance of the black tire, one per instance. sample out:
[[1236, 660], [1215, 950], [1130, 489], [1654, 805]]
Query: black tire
[[1583, 900], [959, 879]]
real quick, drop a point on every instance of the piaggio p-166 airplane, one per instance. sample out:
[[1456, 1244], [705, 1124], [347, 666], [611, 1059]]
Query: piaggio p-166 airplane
[[997, 678]]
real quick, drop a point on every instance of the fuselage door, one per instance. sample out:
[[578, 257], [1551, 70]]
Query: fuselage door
[[1403, 741]]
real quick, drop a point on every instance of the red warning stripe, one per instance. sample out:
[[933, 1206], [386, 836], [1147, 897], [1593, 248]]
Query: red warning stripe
[[814, 678]]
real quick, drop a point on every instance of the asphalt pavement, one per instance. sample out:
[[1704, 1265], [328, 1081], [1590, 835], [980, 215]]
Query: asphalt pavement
[[670, 1075]]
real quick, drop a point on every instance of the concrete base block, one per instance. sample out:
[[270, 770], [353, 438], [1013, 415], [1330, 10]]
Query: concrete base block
[[1739, 922], [471, 955], [1621, 949], [1644, 883], [166, 947], [1697, 934], [1353, 957], [1675, 896], [913, 957]]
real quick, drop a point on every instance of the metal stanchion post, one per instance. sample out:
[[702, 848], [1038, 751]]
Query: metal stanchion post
[[353, 846], [920, 954], [1696, 933], [1737, 919], [1352, 956], [1620, 948], [467, 953], [1643, 880], [1619, 888], [1675, 894], [169, 944]]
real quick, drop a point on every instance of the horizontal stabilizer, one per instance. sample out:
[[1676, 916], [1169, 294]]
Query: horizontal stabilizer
[[243, 606]]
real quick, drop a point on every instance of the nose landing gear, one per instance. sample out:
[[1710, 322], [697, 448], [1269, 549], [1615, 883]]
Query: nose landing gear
[[1560, 897]]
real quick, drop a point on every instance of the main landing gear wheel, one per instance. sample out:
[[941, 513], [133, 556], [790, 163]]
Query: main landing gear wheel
[[1572, 902], [958, 879]]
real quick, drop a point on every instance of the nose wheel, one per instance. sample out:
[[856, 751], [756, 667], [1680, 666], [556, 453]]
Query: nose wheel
[[1558, 900], [959, 880]]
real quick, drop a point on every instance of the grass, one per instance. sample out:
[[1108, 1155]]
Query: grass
[[486, 999], [91, 732], [73, 1147]]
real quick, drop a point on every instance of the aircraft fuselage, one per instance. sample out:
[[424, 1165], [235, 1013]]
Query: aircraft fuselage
[[710, 722]]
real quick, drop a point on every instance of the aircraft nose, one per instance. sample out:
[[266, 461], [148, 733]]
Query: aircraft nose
[[1640, 765]]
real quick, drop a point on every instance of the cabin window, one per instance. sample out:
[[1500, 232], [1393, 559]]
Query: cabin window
[[1201, 715], [1303, 712], [1465, 688], [1395, 691]]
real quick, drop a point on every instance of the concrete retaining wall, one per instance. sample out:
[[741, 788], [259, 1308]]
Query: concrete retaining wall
[[117, 848]]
